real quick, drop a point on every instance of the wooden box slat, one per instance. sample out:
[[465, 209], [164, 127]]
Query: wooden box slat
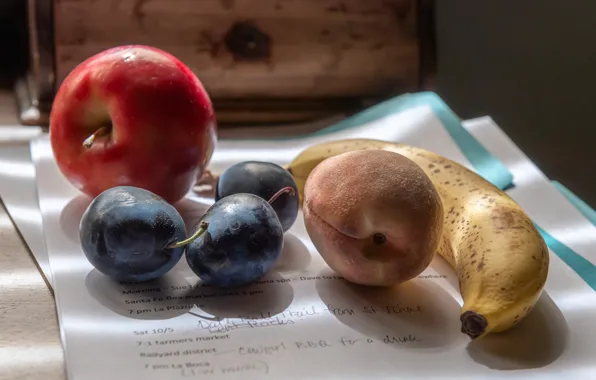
[[317, 48], [262, 61]]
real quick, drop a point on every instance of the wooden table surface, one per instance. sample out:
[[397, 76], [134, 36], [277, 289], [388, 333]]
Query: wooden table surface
[[30, 345]]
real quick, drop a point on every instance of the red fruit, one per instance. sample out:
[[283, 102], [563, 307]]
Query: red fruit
[[153, 122]]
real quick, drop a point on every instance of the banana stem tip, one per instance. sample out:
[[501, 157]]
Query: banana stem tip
[[473, 324]]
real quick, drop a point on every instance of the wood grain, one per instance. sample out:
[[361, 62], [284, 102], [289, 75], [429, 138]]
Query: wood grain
[[316, 48], [30, 341]]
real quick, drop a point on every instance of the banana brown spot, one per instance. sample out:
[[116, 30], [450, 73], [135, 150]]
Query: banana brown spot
[[502, 218]]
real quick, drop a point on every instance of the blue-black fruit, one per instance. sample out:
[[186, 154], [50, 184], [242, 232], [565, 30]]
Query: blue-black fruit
[[242, 243], [125, 233], [263, 179]]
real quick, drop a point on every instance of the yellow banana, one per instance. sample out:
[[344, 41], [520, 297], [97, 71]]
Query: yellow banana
[[500, 258]]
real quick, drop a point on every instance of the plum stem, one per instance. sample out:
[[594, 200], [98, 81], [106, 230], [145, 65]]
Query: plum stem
[[287, 189], [200, 231], [91, 139]]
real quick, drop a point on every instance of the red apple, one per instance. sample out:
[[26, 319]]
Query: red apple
[[136, 116]]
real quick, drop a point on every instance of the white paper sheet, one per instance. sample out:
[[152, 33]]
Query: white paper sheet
[[18, 190], [313, 327]]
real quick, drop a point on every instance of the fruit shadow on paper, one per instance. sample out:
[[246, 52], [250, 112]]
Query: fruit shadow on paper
[[423, 310], [419, 312], [537, 341], [71, 215], [180, 292]]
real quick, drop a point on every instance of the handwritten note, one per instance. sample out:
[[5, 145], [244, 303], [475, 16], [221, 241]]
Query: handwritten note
[[200, 331]]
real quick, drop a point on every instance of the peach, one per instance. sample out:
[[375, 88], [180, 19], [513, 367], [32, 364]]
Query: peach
[[374, 216]]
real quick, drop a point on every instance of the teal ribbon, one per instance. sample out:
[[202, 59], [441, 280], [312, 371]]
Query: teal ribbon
[[580, 265], [581, 206], [584, 268]]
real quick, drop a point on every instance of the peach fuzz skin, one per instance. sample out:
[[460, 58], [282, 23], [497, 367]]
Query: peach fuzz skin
[[374, 216]]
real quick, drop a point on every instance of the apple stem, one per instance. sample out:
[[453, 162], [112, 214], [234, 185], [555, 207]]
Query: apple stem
[[287, 189], [91, 139], [200, 231]]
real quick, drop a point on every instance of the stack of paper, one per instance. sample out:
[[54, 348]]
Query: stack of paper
[[302, 321]]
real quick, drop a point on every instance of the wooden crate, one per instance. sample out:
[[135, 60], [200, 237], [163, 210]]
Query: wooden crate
[[260, 60]]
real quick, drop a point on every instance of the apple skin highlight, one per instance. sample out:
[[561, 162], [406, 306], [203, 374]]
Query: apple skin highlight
[[159, 123]]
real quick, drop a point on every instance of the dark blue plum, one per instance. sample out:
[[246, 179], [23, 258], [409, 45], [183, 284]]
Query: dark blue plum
[[126, 233], [263, 179], [243, 241]]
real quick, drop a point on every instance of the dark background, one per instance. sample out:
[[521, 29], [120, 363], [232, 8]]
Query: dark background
[[529, 65], [13, 41]]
